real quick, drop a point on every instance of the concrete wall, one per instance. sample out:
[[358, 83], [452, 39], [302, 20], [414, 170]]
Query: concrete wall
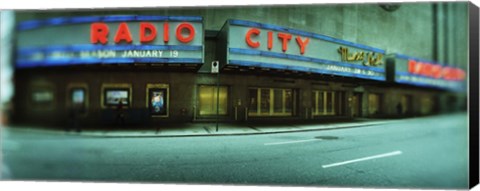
[[410, 30]]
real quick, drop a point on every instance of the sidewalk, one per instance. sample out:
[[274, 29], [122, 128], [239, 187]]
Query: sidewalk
[[209, 129]]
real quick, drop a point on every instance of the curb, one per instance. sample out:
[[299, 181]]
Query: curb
[[105, 135]]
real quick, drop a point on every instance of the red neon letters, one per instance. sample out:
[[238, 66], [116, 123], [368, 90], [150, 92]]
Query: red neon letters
[[185, 33], [248, 37], [283, 37], [123, 33], [182, 27], [435, 70], [269, 41], [165, 34], [302, 44], [144, 38], [98, 33]]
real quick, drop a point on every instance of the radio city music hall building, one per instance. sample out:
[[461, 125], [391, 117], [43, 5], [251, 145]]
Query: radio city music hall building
[[272, 66]]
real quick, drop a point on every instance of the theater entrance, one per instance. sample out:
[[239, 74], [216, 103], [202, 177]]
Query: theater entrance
[[356, 105]]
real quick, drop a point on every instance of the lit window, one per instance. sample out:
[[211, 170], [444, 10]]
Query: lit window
[[373, 104], [208, 100], [327, 102], [270, 102]]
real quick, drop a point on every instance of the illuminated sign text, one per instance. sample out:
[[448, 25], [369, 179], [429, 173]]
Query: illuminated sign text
[[99, 32], [435, 70], [283, 37], [368, 58]]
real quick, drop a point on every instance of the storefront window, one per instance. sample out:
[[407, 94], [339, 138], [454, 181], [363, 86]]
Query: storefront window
[[265, 101], [427, 105], [278, 101], [373, 104], [208, 100], [406, 103], [288, 101], [270, 102], [327, 102], [330, 102], [253, 101]]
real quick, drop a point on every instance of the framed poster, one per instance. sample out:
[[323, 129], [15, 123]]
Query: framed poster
[[114, 97], [158, 99], [115, 94]]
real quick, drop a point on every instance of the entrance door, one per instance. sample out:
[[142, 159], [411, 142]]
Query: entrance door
[[356, 105], [208, 100], [407, 104]]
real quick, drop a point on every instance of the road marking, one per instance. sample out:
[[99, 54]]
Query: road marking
[[363, 159], [290, 142]]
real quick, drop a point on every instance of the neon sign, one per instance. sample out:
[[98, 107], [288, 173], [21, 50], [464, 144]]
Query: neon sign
[[371, 58], [269, 46], [147, 33], [112, 39], [283, 37], [435, 71]]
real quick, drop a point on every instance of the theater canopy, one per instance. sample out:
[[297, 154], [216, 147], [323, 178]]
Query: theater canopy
[[115, 39], [424, 73], [253, 44]]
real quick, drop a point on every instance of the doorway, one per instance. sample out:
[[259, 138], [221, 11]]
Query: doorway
[[356, 105]]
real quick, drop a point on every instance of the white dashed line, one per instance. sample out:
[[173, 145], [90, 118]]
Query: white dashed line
[[290, 142], [363, 159]]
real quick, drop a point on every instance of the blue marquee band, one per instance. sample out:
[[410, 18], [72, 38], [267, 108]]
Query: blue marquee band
[[33, 24]]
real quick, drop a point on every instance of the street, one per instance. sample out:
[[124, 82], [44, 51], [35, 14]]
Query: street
[[426, 152]]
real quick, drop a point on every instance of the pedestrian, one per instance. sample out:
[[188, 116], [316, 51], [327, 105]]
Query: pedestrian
[[399, 109]]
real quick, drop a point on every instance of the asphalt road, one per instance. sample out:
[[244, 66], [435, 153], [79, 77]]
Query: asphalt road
[[427, 152]]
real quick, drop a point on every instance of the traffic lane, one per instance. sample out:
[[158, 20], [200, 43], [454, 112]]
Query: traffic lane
[[239, 171], [436, 157], [306, 157], [214, 149], [186, 166], [122, 159], [405, 140], [423, 166]]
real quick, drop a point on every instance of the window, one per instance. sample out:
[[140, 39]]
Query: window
[[271, 102], [373, 104], [327, 102], [426, 105], [44, 96], [114, 95], [265, 101], [158, 99], [208, 100], [406, 104], [77, 97], [253, 101]]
